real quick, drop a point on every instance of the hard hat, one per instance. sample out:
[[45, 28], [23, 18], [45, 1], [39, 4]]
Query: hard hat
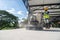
[[45, 8]]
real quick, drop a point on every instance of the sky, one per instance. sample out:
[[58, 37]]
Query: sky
[[15, 7]]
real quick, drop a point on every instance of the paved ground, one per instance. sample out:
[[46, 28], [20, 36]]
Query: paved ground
[[22, 34]]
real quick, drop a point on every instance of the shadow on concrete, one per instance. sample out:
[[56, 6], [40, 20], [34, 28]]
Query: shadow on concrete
[[49, 30], [41, 29]]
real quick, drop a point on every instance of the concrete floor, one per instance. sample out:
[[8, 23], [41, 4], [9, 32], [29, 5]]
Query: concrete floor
[[23, 34]]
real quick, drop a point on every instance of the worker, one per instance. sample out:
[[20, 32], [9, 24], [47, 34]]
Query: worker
[[46, 16]]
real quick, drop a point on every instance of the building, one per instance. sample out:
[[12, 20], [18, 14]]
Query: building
[[36, 7]]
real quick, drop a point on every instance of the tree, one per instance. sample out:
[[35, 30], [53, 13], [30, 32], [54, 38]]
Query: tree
[[8, 20]]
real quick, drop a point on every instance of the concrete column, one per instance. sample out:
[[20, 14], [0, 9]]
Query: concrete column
[[28, 18], [29, 15]]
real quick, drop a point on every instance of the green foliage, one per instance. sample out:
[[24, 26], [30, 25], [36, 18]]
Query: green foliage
[[7, 20]]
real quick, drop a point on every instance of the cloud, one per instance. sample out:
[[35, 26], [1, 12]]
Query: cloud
[[12, 10], [27, 12], [20, 12]]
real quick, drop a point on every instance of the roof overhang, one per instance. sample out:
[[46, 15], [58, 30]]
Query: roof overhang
[[42, 2], [38, 5]]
